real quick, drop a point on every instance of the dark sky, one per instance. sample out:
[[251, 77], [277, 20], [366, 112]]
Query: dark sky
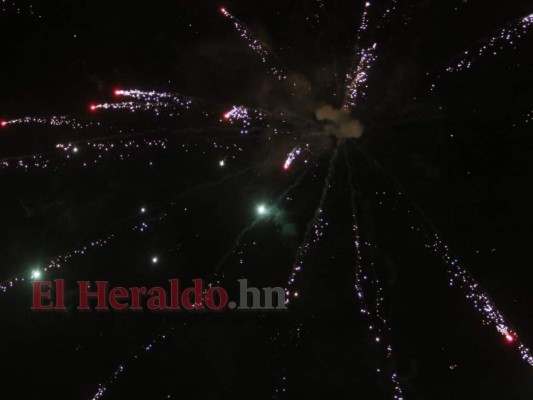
[[462, 153]]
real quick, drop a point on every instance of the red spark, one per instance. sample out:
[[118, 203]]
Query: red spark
[[509, 338], [3, 123], [118, 92], [93, 107]]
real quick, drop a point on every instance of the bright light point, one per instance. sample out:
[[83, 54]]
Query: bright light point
[[118, 92], [3, 123], [35, 274], [261, 209], [154, 260], [227, 115], [295, 294], [93, 107], [75, 149], [509, 338], [222, 10], [143, 210], [222, 163]]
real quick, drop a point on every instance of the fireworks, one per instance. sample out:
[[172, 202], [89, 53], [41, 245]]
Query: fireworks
[[506, 37], [291, 157], [56, 263], [239, 114], [11, 6], [132, 106], [314, 231], [294, 154], [478, 297], [376, 315], [244, 116], [157, 102], [220, 156], [102, 388], [357, 77], [387, 13], [153, 97], [262, 50], [460, 277], [52, 121]]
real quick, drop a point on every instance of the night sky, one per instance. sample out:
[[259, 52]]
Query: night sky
[[172, 190]]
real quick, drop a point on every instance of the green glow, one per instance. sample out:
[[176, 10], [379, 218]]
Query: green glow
[[262, 210]]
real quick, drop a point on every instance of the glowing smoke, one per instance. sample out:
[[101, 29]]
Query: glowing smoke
[[339, 122]]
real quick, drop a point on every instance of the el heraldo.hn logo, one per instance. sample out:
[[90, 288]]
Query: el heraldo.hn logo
[[100, 296]]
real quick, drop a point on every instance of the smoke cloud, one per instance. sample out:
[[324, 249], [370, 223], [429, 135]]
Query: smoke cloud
[[339, 122]]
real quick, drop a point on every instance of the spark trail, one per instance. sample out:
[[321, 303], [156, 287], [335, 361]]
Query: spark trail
[[378, 324], [480, 299], [313, 231], [155, 99], [264, 52], [291, 157], [357, 76], [147, 347], [121, 147], [458, 275], [505, 37], [159, 101], [61, 120], [132, 106]]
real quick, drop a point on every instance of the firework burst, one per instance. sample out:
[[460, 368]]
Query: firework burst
[[303, 142]]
